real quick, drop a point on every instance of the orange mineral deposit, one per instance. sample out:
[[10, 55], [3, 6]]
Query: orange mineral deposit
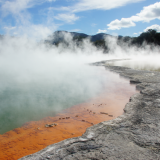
[[72, 122]]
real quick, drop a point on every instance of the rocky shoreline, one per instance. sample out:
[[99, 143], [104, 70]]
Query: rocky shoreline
[[133, 135]]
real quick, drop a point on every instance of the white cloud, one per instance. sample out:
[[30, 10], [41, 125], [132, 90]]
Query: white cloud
[[102, 31], [123, 23], [75, 30], [155, 27], [9, 28], [84, 5], [137, 33], [31, 31], [18, 9], [68, 18], [36, 31], [16, 6], [148, 13]]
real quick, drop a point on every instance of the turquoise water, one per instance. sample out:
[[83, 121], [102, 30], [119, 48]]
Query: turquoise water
[[23, 100]]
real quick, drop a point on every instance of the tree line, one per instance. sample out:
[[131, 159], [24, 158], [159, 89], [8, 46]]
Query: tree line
[[150, 37]]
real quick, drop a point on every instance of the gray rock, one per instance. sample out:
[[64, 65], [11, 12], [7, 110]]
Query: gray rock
[[135, 135]]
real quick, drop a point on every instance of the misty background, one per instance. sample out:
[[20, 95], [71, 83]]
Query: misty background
[[40, 78], [38, 81]]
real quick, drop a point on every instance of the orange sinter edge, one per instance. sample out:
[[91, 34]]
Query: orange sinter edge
[[73, 122]]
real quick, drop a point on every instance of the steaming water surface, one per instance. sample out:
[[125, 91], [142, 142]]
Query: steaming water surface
[[23, 100], [37, 81]]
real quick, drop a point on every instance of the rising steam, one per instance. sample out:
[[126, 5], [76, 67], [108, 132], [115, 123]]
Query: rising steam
[[38, 80]]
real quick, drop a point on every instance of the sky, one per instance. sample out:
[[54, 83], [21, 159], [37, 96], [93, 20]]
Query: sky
[[40, 18]]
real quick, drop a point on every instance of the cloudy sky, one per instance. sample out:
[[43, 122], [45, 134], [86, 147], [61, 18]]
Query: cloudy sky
[[38, 18]]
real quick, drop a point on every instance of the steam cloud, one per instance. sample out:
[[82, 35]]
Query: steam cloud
[[38, 80]]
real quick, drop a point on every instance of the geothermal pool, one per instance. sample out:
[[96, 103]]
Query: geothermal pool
[[110, 93], [24, 99]]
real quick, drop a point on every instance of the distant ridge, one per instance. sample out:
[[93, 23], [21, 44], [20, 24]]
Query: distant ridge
[[150, 37], [99, 36], [58, 36]]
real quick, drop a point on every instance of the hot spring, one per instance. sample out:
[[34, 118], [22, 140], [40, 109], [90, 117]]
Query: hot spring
[[39, 81], [43, 85], [23, 99]]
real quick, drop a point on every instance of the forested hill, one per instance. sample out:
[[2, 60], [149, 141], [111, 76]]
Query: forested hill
[[150, 37], [63, 37]]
